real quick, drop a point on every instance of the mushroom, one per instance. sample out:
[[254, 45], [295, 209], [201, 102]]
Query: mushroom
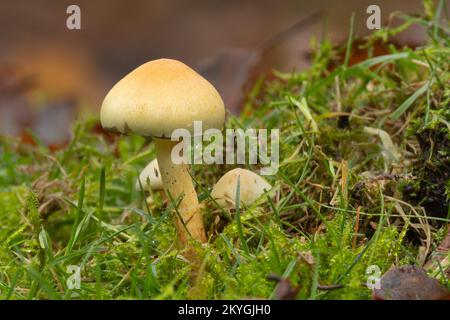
[[251, 187], [150, 178], [154, 100]]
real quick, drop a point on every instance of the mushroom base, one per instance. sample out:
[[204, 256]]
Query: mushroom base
[[178, 185]]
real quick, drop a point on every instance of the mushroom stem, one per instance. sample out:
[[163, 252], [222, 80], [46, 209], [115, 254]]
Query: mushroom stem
[[178, 183]]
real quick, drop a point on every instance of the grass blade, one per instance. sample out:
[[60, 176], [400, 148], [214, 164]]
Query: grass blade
[[75, 229], [238, 217], [408, 102]]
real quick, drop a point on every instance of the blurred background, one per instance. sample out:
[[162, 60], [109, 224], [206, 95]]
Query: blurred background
[[50, 75]]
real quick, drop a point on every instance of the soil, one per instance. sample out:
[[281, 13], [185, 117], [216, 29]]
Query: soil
[[432, 172]]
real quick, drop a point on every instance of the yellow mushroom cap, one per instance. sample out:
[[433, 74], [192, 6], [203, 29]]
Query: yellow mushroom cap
[[150, 177], [159, 97], [251, 185]]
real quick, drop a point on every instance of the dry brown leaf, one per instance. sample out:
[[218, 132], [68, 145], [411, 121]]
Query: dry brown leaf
[[409, 283]]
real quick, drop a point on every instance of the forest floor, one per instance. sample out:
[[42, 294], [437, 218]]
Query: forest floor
[[363, 183]]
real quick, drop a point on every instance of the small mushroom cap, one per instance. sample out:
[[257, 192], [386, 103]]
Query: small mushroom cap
[[159, 97], [252, 186], [150, 177]]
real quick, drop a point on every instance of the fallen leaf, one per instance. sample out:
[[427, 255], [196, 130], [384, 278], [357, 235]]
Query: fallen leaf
[[409, 283], [284, 289], [234, 70]]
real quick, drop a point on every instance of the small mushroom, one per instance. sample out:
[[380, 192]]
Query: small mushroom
[[251, 185], [150, 178], [153, 100]]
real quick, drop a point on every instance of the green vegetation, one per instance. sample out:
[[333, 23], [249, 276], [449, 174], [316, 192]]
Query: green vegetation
[[368, 140]]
